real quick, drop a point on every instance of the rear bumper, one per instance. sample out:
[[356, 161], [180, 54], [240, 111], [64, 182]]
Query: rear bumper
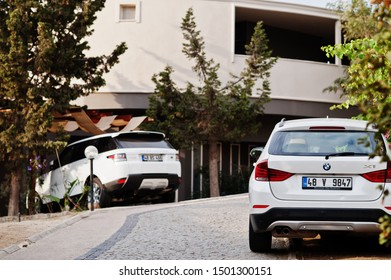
[[134, 181], [318, 219]]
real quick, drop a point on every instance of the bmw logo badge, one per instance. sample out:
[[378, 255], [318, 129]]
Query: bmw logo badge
[[326, 166]]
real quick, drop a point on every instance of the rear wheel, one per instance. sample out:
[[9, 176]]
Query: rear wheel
[[168, 197], [51, 207], [101, 198], [260, 242]]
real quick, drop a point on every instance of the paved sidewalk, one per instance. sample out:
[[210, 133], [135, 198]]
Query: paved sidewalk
[[75, 236]]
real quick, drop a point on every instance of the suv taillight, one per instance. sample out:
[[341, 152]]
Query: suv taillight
[[264, 173], [380, 176], [118, 157]]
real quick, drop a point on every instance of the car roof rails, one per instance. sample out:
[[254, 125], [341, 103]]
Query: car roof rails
[[282, 122]]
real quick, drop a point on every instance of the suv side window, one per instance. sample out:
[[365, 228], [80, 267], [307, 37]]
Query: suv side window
[[64, 157], [105, 144], [76, 152]]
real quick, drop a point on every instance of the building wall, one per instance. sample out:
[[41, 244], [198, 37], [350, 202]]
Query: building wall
[[154, 40]]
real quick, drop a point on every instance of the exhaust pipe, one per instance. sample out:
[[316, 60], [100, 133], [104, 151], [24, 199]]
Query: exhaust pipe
[[286, 230], [282, 231]]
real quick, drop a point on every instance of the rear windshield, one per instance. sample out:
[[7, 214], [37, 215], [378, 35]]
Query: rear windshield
[[142, 141], [322, 143]]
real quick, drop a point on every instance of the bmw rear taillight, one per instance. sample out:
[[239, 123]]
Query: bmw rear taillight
[[261, 171], [118, 157], [264, 173], [379, 176]]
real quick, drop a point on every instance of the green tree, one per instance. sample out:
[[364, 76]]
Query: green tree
[[356, 18], [212, 112], [368, 78], [357, 22], [43, 66], [367, 84]]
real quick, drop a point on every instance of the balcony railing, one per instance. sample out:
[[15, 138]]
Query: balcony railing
[[300, 80]]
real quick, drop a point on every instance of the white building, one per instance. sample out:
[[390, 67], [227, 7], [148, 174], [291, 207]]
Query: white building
[[151, 30]]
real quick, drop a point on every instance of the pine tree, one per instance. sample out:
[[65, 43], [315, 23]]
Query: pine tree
[[43, 66], [212, 112]]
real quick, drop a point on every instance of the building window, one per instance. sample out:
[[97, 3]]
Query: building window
[[128, 11]]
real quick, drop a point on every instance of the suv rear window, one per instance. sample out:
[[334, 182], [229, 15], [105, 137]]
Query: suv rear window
[[321, 143], [142, 141]]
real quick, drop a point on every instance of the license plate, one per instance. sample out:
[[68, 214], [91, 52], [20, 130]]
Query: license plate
[[327, 183], [152, 157]]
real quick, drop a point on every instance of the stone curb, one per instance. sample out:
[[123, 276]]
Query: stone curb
[[31, 217]]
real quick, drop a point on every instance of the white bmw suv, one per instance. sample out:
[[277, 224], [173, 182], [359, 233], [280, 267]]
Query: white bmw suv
[[137, 165], [316, 176]]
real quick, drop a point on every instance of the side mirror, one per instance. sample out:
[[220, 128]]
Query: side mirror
[[256, 152], [51, 165]]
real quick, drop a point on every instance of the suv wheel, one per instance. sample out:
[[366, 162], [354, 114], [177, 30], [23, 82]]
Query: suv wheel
[[168, 197], [101, 198], [260, 242]]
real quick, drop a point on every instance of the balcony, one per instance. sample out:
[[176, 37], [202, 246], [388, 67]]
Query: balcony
[[300, 80]]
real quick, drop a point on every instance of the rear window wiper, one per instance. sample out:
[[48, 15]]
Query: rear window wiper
[[345, 154]]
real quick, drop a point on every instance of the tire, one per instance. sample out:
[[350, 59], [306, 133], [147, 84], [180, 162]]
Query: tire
[[260, 242], [51, 207], [168, 197], [38, 206], [101, 198]]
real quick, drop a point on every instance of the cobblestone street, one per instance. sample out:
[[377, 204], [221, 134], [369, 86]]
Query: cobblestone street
[[214, 230], [199, 229]]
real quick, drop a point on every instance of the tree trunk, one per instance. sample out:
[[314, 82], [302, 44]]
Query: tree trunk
[[31, 191], [16, 182], [213, 169]]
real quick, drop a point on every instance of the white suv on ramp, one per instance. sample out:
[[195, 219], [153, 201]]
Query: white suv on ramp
[[317, 176], [137, 165]]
